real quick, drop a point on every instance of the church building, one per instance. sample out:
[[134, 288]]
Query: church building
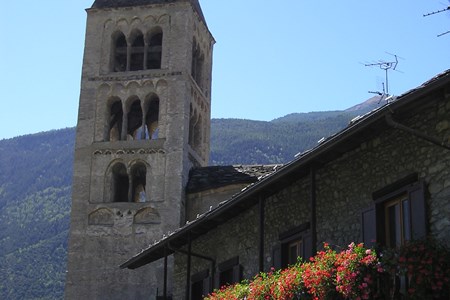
[[143, 124], [151, 220]]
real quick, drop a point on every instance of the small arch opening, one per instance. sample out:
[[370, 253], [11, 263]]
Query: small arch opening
[[198, 133], [137, 52], [138, 179], [119, 53], [152, 119], [135, 125], [154, 49], [119, 183], [192, 123], [197, 64], [115, 121]]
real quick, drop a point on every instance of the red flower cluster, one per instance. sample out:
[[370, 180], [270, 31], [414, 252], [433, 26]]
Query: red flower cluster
[[427, 267], [348, 273], [318, 274], [354, 278], [352, 274]]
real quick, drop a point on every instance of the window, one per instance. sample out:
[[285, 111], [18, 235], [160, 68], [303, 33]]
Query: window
[[138, 180], [141, 53], [195, 130], [398, 214], [119, 183], [137, 52], [197, 64], [200, 285], [119, 53], [115, 121], [126, 184], [229, 272], [397, 221], [294, 251], [154, 49], [293, 244], [135, 121], [132, 124], [152, 118]]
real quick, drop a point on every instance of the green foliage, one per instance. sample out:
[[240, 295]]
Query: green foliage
[[35, 188], [235, 141]]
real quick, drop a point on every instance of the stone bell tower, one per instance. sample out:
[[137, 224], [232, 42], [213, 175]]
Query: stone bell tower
[[143, 122]]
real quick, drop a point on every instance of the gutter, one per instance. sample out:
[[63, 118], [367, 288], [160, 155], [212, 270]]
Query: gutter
[[390, 121]]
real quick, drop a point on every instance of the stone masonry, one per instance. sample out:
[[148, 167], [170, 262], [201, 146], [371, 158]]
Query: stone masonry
[[344, 189], [141, 127]]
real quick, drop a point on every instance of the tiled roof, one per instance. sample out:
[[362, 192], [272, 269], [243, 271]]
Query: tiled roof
[[205, 178], [127, 3]]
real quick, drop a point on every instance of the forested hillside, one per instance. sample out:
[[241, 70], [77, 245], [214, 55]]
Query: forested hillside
[[35, 181], [35, 189], [255, 142]]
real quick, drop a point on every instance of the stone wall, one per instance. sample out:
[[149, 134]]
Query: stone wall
[[199, 203], [104, 234], [344, 188]]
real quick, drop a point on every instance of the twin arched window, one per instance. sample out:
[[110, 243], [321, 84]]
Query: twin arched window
[[128, 186], [138, 52], [138, 121]]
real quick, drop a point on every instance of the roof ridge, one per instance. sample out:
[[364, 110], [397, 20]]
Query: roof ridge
[[129, 3]]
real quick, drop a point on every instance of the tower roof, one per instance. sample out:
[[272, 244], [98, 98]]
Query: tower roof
[[128, 3]]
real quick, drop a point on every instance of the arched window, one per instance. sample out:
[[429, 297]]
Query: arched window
[[152, 118], [137, 52], [198, 133], [197, 64], [192, 123], [138, 180], [115, 121], [154, 49], [119, 183], [135, 125], [119, 63]]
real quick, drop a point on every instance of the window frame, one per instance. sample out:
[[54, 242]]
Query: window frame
[[374, 220], [230, 265], [204, 278], [300, 235]]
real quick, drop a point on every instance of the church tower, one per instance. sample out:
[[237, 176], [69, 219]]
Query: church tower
[[143, 123]]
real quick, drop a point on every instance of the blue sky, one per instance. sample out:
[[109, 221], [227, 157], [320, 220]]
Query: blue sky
[[271, 57]]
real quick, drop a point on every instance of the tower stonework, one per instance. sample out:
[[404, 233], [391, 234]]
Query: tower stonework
[[143, 123]]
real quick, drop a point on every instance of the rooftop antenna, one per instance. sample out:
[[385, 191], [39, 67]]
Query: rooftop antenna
[[386, 66], [438, 12]]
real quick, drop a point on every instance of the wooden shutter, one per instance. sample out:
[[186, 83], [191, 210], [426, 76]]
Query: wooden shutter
[[207, 286], [369, 227], [418, 211], [307, 246], [237, 273], [216, 280], [276, 257]]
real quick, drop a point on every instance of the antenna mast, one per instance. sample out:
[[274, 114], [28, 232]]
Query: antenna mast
[[386, 66], [438, 12]]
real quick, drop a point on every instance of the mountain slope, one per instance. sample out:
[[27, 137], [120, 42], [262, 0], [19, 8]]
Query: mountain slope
[[35, 183]]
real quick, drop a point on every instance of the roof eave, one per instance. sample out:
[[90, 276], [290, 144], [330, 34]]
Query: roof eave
[[303, 161]]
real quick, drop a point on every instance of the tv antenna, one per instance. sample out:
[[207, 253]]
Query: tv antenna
[[438, 12], [386, 66]]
